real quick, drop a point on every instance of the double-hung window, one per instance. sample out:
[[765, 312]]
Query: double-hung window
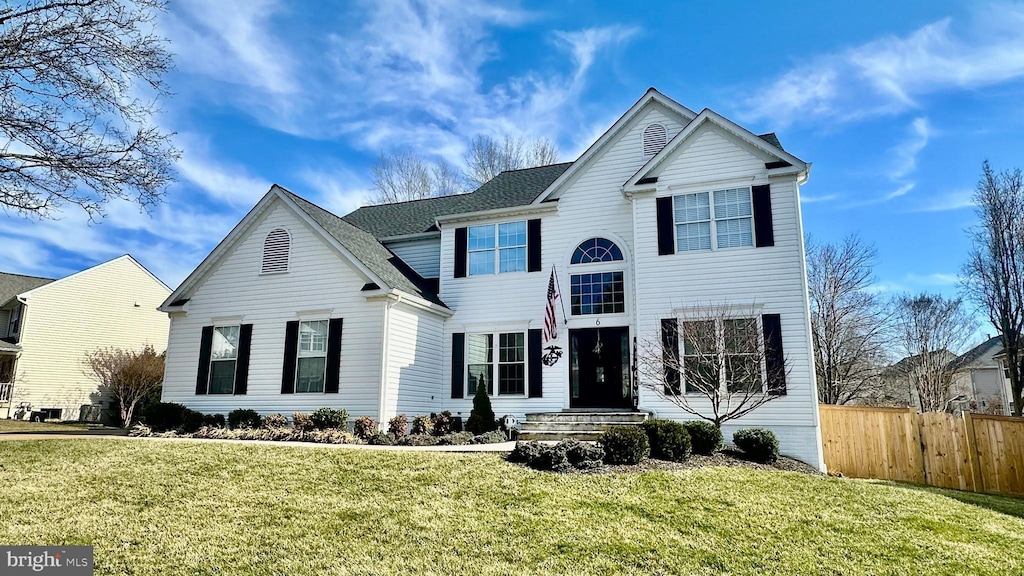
[[223, 356], [714, 220], [722, 354], [497, 247], [509, 364], [312, 361]]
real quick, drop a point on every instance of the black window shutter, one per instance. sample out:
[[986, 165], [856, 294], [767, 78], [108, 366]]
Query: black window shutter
[[775, 359], [291, 352], [333, 378], [458, 366], [533, 355], [205, 349], [533, 245], [461, 248], [242, 361], [666, 234], [670, 354], [764, 234]]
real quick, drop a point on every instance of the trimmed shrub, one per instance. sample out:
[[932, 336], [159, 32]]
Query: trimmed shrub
[[705, 437], [380, 439], [456, 422], [669, 440], [525, 452], [364, 427], [553, 459], [583, 455], [164, 416], [441, 424], [215, 421], [492, 437], [625, 445], [419, 440], [330, 419], [759, 444], [275, 421], [481, 418], [302, 421], [455, 439], [243, 418], [420, 425], [191, 421], [398, 426]]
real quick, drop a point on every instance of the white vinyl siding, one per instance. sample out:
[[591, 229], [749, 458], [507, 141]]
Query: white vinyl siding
[[422, 255]]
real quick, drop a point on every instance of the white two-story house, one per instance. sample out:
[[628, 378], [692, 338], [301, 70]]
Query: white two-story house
[[408, 307]]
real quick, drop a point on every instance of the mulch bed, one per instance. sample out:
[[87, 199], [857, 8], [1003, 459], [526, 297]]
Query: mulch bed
[[727, 457]]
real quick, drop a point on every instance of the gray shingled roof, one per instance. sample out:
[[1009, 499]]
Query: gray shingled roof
[[977, 352], [772, 139], [381, 261], [9, 347], [13, 284], [508, 189]]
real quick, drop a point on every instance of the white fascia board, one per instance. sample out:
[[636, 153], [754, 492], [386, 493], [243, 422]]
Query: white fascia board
[[710, 116], [415, 301], [410, 237], [527, 210], [652, 95]]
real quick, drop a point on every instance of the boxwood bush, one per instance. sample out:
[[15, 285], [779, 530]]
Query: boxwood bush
[[625, 445], [164, 416], [759, 444], [566, 456], [330, 419], [669, 440], [244, 418], [705, 437]]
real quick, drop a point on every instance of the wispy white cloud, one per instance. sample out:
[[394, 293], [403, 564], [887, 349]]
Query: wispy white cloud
[[957, 200], [933, 279], [339, 191], [805, 199], [891, 74], [221, 180], [905, 153]]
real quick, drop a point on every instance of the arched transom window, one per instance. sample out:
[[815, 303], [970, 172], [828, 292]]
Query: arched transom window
[[276, 249], [596, 250]]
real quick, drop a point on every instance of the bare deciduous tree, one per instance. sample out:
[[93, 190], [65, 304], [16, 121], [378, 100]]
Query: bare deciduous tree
[[720, 368], [404, 176], [487, 157], [74, 120], [931, 330], [993, 276], [847, 319], [128, 375]]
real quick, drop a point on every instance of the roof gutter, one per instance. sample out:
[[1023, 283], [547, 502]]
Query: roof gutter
[[527, 210]]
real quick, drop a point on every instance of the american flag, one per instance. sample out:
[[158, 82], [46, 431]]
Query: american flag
[[550, 324]]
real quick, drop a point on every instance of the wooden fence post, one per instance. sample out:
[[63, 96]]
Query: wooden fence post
[[972, 452]]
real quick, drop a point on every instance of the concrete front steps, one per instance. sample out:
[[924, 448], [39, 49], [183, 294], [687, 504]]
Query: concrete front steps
[[576, 425]]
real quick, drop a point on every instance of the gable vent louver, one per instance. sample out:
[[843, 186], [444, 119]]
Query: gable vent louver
[[655, 138], [276, 249]]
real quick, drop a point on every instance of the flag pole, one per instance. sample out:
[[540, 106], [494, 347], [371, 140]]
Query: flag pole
[[561, 300]]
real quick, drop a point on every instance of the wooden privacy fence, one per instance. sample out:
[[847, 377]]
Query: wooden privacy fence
[[967, 452]]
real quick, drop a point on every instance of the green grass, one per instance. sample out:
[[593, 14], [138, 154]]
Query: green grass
[[23, 426], [172, 507]]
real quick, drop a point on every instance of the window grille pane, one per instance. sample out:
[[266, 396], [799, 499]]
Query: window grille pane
[[692, 207], [732, 203], [481, 238], [481, 263], [313, 337], [225, 342], [480, 346], [310, 374], [510, 347], [480, 373], [601, 293], [512, 259], [222, 377], [512, 234], [695, 236], [512, 378], [733, 233]]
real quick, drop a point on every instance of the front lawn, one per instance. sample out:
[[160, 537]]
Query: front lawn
[[25, 426], [178, 507]]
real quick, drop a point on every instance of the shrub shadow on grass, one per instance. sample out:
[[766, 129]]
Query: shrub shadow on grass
[[1002, 503]]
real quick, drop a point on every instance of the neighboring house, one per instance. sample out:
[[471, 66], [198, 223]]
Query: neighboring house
[[49, 326], [981, 378], [408, 307]]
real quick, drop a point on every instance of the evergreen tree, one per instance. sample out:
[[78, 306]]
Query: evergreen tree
[[481, 419]]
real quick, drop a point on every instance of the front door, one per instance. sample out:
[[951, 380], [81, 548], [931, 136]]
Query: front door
[[599, 368]]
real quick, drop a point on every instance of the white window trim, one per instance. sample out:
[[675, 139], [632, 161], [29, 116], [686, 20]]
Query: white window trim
[[234, 360], [713, 221], [299, 355], [722, 384], [496, 362], [497, 250]]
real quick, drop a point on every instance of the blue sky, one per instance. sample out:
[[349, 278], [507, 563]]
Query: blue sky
[[895, 104]]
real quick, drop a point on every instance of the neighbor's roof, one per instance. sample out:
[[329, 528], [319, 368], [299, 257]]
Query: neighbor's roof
[[9, 347], [977, 352], [772, 139], [378, 259], [906, 364], [13, 284], [506, 190]]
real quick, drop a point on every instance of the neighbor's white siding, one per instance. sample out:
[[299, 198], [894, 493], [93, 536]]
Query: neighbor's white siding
[[110, 305], [414, 385], [770, 279], [319, 284], [422, 255]]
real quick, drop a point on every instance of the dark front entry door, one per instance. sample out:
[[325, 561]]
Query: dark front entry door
[[599, 368]]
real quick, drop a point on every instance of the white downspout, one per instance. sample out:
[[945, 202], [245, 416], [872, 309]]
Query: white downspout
[[385, 331]]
